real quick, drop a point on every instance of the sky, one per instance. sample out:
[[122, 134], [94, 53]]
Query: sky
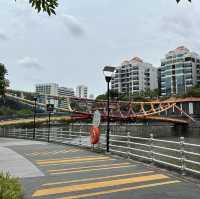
[[72, 47]]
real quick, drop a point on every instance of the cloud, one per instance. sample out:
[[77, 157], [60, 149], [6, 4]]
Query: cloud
[[30, 63], [181, 26], [73, 25], [3, 36], [184, 22]]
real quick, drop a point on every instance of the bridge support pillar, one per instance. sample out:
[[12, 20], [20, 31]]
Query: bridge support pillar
[[191, 108], [181, 107]]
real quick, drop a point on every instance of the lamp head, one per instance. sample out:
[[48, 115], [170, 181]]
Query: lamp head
[[108, 72], [35, 98]]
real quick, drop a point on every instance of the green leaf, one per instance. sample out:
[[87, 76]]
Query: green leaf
[[48, 6]]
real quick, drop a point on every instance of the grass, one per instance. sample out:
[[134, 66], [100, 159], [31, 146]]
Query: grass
[[10, 187]]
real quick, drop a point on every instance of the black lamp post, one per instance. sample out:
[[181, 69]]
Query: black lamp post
[[108, 72], [34, 115]]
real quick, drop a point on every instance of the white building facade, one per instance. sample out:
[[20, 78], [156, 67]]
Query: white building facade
[[65, 92], [134, 76], [49, 93], [82, 91], [47, 89]]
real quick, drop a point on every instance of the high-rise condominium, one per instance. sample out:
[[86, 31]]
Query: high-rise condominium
[[64, 91], [82, 91], [134, 76], [47, 89], [180, 70]]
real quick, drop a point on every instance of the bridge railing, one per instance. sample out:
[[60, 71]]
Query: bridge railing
[[180, 155]]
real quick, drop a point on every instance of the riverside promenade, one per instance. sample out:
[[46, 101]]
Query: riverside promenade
[[52, 171]]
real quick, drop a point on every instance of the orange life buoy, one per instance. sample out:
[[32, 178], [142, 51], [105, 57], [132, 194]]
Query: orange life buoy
[[94, 135]]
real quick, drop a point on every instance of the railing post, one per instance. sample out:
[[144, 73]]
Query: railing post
[[128, 144], [70, 132], [80, 137], [14, 133], [151, 148], [26, 133], [33, 135], [4, 132], [182, 154]]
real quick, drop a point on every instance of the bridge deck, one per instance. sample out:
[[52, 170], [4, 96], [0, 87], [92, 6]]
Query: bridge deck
[[70, 172]]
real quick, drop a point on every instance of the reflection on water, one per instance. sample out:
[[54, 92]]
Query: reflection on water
[[191, 135]]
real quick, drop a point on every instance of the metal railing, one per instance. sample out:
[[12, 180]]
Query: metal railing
[[57, 135], [179, 155]]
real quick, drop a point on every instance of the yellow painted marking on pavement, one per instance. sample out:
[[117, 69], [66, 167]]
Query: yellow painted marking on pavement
[[54, 152], [96, 178], [70, 151], [71, 160], [120, 190], [95, 185], [89, 170], [45, 160], [45, 151], [70, 163], [87, 167]]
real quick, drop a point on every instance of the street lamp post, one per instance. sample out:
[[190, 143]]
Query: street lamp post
[[34, 115], [50, 108], [49, 125], [108, 72]]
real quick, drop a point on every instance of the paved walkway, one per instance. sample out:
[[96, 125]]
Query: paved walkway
[[71, 173]]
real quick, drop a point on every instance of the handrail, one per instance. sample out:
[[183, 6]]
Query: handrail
[[191, 153], [126, 145], [166, 148], [167, 156], [140, 144], [166, 141], [139, 138], [190, 144]]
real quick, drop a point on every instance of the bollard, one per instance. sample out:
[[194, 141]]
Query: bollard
[[151, 148], [182, 155]]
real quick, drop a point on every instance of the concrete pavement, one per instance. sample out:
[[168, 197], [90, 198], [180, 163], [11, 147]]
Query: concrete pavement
[[72, 173]]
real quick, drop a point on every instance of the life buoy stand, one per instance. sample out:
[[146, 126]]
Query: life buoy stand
[[94, 135]]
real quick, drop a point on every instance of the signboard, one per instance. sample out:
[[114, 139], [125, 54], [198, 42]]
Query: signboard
[[50, 107], [96, 118]]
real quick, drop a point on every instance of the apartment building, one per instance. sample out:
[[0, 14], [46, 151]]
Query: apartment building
[[64, 91], [82, 91], [134, 76], [180, 70], [47, 89], [47, 92]]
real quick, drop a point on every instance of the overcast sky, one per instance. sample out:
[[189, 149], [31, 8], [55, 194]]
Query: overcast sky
[[72, 47]]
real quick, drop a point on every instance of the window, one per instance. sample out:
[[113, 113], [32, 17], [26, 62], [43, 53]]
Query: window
[[188, 59]]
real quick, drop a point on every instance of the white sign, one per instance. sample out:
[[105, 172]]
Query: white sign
[[96, 118]]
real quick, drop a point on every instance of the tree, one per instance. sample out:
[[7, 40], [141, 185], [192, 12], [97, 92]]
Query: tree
[[4, 83], [193, 92], [180, 0], [48, 6]]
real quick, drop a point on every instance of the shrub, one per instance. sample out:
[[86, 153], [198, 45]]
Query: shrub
[[10, 187]]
